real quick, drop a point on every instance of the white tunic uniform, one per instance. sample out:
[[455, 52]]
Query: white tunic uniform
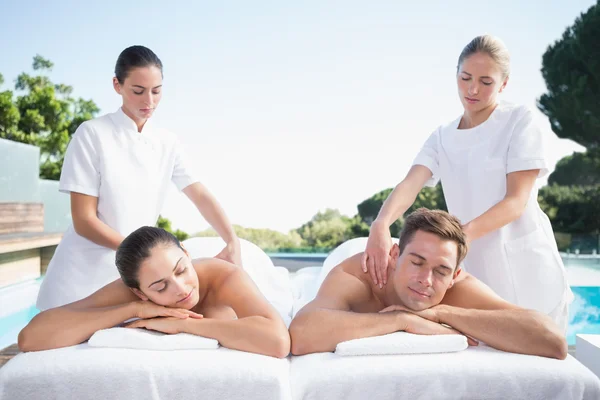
[[519, 261], [129, 172]]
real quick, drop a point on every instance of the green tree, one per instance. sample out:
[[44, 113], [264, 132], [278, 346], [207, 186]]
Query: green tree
[[369, 208], [358, 228], [165, 224], [328, 229], [266, 239], [571, 69], [572, 209], [431, 198], [578, 169], [43, 114]]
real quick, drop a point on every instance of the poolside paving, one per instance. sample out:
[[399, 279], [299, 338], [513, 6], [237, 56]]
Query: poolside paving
[[8, 353]]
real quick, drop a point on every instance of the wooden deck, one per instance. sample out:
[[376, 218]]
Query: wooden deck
[[8, 353]]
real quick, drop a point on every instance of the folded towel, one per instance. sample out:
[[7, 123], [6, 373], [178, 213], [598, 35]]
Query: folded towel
[[402, 343], [129, 338]]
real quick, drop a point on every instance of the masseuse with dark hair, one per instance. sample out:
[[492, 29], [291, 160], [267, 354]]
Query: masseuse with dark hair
[[117, 169]]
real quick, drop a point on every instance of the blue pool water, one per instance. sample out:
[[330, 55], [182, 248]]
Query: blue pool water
[[12, 324], [584, 312]]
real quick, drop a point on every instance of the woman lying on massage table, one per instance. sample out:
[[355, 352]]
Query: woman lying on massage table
[[169, 292]]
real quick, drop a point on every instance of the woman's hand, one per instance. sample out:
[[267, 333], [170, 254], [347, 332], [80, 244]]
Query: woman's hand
[[168, 325], [467, 229], [232, 253], [376, 259], [148, 309]]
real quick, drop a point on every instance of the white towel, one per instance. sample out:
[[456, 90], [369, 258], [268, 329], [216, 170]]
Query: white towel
[[402, 343], [476, 373], [129, 338], [88, 373]]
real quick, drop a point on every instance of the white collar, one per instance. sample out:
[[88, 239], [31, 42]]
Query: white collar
[[123, 121]]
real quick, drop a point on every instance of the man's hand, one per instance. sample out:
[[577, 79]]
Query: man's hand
[[426, 322], [430, 314]]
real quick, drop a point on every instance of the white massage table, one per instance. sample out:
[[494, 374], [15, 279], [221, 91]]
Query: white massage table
[[84, 372], [477, 373]]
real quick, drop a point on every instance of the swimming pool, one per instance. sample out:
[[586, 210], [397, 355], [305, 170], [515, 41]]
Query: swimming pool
[[17, 308], [584, 313], [12, 324]]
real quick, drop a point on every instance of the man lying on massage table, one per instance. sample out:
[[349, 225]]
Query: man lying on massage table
[[428, 295], [169, 292]]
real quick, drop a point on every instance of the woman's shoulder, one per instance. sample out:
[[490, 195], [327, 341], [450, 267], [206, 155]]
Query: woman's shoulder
[[449, 126], [214, 269], [92, 127], [513, 111], [112, 294]]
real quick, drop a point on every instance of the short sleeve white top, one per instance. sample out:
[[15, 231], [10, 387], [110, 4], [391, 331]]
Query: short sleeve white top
[[519, 261], [129, 172]]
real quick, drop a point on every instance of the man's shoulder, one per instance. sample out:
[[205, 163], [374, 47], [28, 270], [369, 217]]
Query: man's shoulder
[[470, 292], [347, 278], [350, 268]]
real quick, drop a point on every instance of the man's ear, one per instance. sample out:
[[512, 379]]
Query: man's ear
[[455, 275], [139, 294], [394, 253]]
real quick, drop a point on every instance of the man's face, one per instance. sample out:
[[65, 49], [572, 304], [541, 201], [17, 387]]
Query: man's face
[[425, 270]]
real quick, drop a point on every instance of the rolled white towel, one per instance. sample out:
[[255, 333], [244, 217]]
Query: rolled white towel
[[129, 338], [402, 343]]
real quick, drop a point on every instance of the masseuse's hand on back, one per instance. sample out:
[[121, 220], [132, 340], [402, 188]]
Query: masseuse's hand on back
[[231, 253], [376, 259]]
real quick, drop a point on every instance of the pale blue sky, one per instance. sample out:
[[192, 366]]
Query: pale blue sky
[[289, 107]]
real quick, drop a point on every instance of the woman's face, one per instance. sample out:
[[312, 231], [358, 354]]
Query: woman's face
[[141, 92], [168, 278], [479, 81]]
